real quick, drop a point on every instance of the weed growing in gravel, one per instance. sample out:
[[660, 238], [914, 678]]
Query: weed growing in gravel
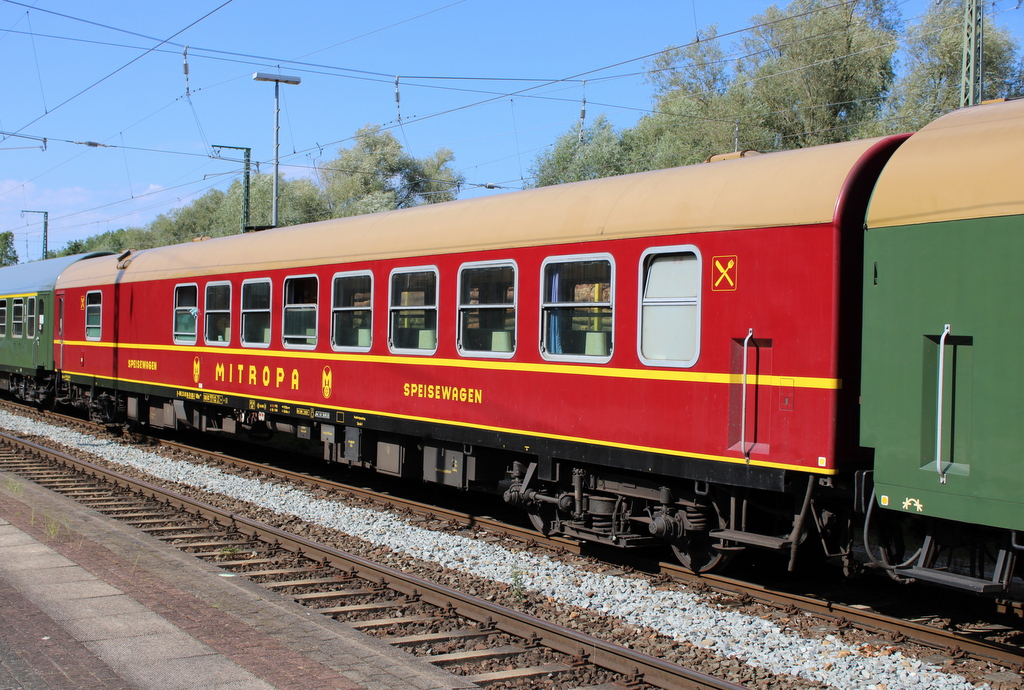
[[229, 550], [518, 590], [15, 487]]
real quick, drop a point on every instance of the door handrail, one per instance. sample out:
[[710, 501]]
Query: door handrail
[[938, 405], [743, 410]]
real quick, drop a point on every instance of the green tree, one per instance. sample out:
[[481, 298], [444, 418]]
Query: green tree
[[71, 248], [8, 257], [596, 151], [110, 240], [376, 173], [813, 73], [201, 218], [931, 85], [697, 112], [301, 201], [817, 72]]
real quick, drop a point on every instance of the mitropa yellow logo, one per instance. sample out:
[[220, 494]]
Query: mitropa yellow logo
[[327, 382], [253, 375], [195, 369]]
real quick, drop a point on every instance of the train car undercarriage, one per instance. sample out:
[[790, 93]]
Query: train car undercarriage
[[706, 524]]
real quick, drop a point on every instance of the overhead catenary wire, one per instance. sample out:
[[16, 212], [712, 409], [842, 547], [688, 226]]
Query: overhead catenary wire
[[122, 67], [35, 55], [522, 93], [401, 120], [94, 144], [127, 169]]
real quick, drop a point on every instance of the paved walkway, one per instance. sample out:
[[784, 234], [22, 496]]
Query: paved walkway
[[86, 602]]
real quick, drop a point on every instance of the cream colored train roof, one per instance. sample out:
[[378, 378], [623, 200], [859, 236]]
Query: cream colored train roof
[[787, 188], [967, 164]]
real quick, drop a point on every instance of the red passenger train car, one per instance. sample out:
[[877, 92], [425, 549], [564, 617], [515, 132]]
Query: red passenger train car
[[668, 356]]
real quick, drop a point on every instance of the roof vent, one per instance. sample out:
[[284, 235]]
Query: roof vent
[[746, 153]]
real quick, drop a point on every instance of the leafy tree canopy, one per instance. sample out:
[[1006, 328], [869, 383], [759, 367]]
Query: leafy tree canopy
[[375, 174], [814, 72], [8, 257], [586, 154], [934, 48]]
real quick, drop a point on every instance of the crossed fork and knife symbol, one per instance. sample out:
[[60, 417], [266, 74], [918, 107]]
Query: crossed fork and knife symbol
[[724, 272]]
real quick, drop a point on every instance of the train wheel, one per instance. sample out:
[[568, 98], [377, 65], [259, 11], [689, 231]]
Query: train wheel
[[696, 550], [698, 554]]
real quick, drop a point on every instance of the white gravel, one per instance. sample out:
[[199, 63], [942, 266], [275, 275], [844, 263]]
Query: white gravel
[[674, 613]]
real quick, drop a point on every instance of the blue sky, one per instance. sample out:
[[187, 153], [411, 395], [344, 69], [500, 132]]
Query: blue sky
[[494, 83]]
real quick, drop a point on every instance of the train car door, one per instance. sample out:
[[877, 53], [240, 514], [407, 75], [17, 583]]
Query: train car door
[[32, 332], [38, 357], [60, 331]]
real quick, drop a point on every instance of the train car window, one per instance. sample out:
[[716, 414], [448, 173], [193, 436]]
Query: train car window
[[30, 318], [487, 310], [669, 328], [577, 309], [352, 312], [18, 317], [93, 315], [3, 318], [186, 314], [300, 309], [413, 310], [218, 314], [256, 313]]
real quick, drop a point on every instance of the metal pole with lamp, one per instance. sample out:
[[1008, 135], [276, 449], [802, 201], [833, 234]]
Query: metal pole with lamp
[[277, 79]]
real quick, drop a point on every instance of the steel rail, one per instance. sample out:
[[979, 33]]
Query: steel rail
[[525, 534], [952, 642], [584, 647]]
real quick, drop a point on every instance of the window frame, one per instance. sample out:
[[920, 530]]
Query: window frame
[[335, 309], [545, 306], [3, 317], [18, 317], [30, 318], [242, 311], [175, 333], [459, 307], [697, 301], [207, 311], [300, 306], [392, 309], [99, 309]]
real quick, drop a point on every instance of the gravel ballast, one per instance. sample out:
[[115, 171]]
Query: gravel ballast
[[674, 613]]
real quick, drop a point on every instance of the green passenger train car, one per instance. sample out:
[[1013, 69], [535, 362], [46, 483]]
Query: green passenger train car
[[27, 326], [942, 384]]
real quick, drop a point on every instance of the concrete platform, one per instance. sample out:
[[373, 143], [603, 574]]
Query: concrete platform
[[86, 602]]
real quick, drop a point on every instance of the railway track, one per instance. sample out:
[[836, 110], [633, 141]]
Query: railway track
[[483, 641], [951, 643]]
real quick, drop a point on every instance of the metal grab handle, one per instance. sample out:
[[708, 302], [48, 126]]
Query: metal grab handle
[[743, 410], [938, 406]]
